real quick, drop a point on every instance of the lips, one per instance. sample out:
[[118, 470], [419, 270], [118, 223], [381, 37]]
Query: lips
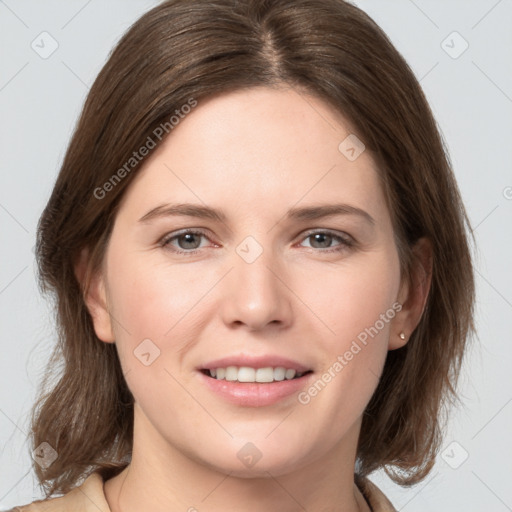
[[251, 381]]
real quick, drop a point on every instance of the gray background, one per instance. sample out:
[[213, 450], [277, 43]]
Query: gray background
[[471, 96]]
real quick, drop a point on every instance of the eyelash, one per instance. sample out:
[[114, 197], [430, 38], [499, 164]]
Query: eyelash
[[346, 242]]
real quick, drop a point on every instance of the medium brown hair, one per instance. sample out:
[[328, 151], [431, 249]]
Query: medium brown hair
[[190, 50]]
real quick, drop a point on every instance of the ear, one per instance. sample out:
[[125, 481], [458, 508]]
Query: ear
[[413, 294], [95, 297]]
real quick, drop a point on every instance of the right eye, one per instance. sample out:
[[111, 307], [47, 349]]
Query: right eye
[[186, 238]]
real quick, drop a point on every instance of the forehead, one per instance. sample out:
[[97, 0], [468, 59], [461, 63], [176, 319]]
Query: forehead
[[255, 150]]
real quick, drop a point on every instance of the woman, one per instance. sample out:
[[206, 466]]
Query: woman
[[313, 329]]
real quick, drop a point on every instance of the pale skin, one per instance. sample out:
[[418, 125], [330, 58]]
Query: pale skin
[[253, 154]]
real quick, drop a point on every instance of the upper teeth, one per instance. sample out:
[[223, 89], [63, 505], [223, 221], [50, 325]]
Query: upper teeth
[[248, 374]]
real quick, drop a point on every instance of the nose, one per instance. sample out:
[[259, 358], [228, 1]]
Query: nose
[[256, 293]]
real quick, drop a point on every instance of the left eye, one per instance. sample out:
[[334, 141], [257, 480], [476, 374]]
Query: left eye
[[322, 237]]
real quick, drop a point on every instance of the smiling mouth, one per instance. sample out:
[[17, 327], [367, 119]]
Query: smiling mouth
[[254, 375]]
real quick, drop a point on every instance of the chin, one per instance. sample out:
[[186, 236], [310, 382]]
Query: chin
[[252, 460]]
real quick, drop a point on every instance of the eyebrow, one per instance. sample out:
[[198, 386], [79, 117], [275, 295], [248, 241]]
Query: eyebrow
[[300, 214]]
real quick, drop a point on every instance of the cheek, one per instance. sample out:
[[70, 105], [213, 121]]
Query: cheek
[[356, 331], [351, 298], [156, 316], [153, 300]]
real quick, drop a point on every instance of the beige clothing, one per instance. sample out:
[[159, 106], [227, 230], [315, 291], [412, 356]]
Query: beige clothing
[[90, 497]]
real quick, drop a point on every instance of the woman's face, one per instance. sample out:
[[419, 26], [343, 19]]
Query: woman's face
[[267, 281]]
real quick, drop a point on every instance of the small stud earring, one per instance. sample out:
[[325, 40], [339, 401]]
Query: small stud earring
[[402, 336]]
